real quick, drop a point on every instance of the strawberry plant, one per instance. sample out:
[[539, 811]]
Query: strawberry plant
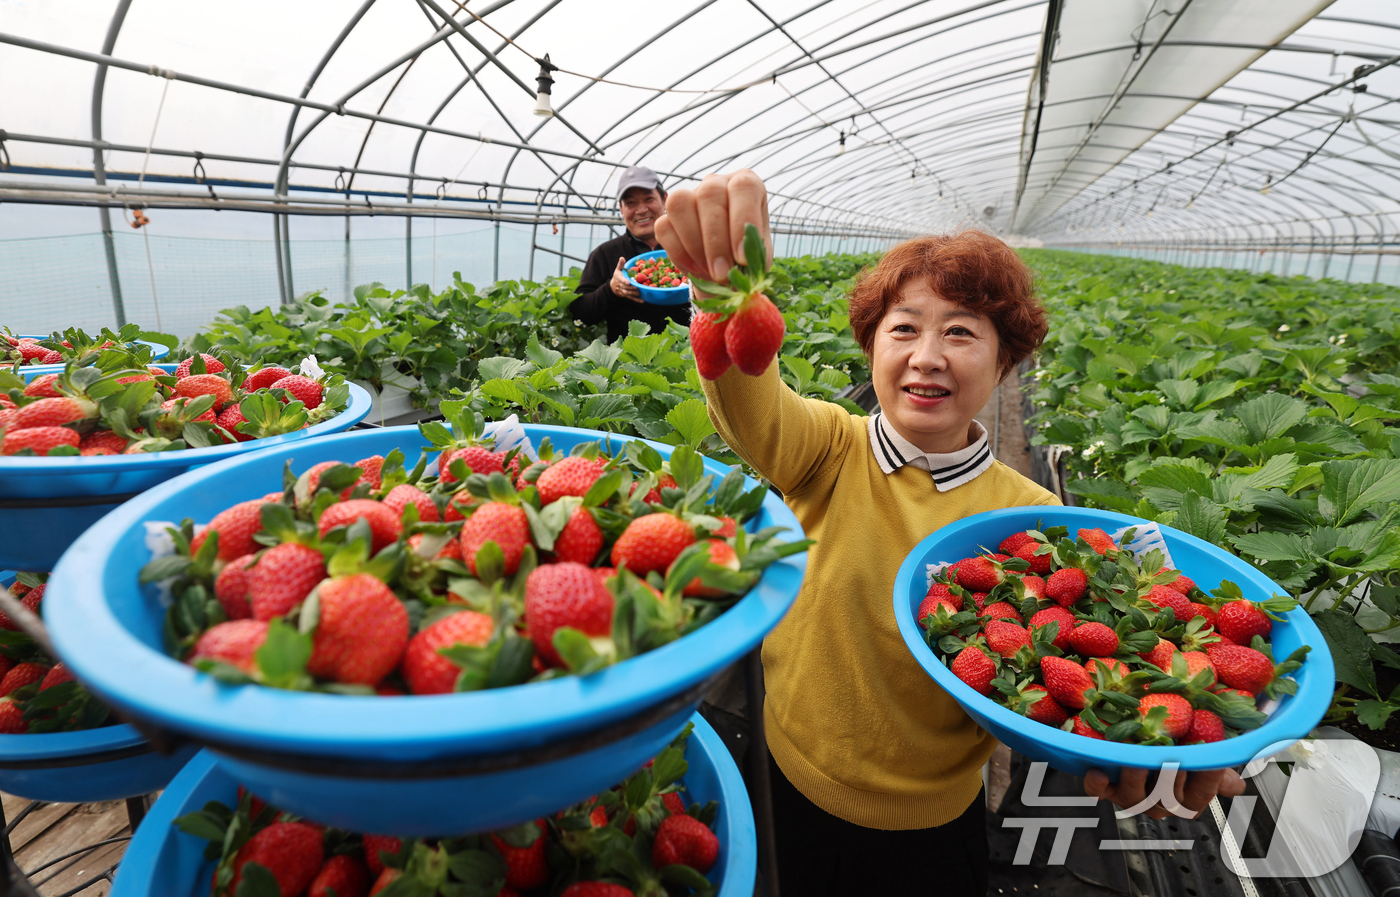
[[1258, 413], [494, 572], [637, 839], [1111, 645]]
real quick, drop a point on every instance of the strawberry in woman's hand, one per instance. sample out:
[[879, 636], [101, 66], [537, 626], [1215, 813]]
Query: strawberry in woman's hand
[[750, 324]]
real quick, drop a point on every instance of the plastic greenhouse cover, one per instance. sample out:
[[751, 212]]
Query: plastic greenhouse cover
[[936, 105]]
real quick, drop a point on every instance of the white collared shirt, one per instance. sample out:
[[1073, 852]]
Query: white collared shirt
[[949, 470]]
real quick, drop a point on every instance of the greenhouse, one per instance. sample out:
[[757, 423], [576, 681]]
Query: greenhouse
[[523, 447]]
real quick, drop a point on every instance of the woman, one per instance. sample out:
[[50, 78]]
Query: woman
[[877, 785]]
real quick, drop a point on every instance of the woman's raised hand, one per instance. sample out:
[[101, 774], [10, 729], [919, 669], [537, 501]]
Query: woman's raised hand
[[703, 229]]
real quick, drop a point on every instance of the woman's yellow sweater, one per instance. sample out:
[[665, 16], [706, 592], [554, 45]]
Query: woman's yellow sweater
[[852, 720]]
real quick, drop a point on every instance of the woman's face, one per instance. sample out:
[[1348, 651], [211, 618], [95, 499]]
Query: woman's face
[[934, 366]]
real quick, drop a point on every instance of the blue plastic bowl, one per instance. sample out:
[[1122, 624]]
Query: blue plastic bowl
[[158, 352], [1295, 716], [420, 765], [658, 295], [110, 763], [50, 501], [162, 860]]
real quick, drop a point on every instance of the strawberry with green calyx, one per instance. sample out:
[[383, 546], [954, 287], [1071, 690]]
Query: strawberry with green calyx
[[1032, 701], [41, 441], [1197, 636], [500, 527], [200, 364], [1000, 610], [341, 875], [385, 526], [1006, 638], [1064, 626], [360, 629], [1101, 542], [566, 610], [1085, 723], [938, 618], [1252, 669], [1166, 718], [975, 667], [419, 869], [453, 439], [196, 385], [234, 643], [982, 574], [1093, 639], [260, 377], [1240, 620], [1067, 682], [260, 415], [752, 328], [282, 577], [1066, 586]]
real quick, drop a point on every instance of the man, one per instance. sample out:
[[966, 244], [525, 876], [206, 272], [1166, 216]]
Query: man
[[604, 291]]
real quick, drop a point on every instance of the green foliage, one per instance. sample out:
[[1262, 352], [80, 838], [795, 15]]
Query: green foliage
[[1257, 412]]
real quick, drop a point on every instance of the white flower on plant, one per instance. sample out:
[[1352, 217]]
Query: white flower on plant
[[310, 368], [1342, 338], [1284, 328]]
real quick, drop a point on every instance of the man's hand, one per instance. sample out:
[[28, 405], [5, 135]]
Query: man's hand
[[703, 229], [621, 285], [1193, 791]]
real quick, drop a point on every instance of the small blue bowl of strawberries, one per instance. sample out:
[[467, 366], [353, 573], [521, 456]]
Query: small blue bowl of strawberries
[[660, 282], [1094, 640]]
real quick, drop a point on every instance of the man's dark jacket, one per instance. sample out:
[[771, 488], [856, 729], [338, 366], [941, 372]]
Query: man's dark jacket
[[597, 302]]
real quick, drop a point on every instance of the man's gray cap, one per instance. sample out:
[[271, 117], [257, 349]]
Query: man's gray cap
[[638, 176]]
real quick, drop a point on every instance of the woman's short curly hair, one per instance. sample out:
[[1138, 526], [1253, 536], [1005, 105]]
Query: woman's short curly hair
[[973, 269]]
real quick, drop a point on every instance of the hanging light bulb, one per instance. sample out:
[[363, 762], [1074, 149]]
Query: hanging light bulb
[[545, 82], [1268, 179], [841, 147]]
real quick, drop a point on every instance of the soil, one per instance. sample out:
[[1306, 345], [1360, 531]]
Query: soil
[[1387, 739]]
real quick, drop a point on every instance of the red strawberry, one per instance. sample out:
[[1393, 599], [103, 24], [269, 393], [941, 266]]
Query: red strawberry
[[525, 866], [313, 475], [504, 524], [12, 721], [1044, 709], [386, 878], [1083, 728], [686, 841], [104, 439], [580, 540], [1179, 712], [1225, 691], [979, 574], [169, 405], [673, 803], [477, 458], [1059, 615], [376, 843], [1162, 596], [721, 554], [754, 335], [1182, 583], [1006, 638], [727, 528], [341, 876], [384, 525], [930, 607], [1014, 541], [939, 591], [1098, 540], [460, 506], [653, 496], [1161, 655], [452, 550], [1240, 621], [282, 578], [1034, 587], [652, 543], [1114, 666], [43, 386], [1066, 681], [58, 675], [973, 666], [197, 385], [230, 418], [362, 631], [1202, 610], [40, 440], [236, 527], [1040, 563], [1196, 661], [212, 365], [231, 587], [301, 389], [20, 675], [403, 495], [31, 599], [291, 851], [235, 643], [1000, 610], [425, 670], [1206, 727], [595, 889], [1237, 666], [1094, 640], [707, 341], [372, 468], [565, 594], [265, 377], [979, 601], [1065, 587], [569, 476]]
